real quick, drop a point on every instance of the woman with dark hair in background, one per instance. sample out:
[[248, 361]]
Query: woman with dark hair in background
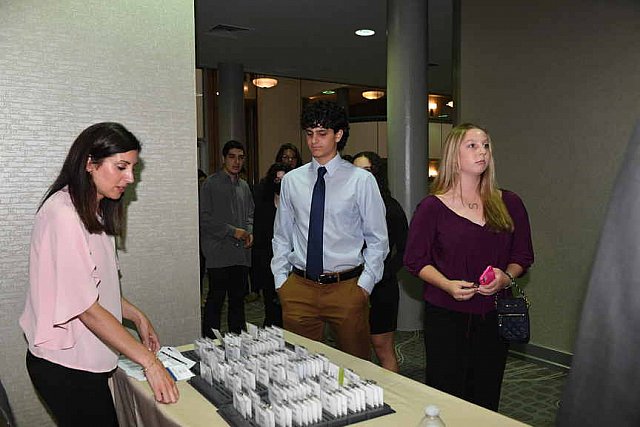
[[383, 315], [289, 154], [266, 198], [464, 226], [73, 314]]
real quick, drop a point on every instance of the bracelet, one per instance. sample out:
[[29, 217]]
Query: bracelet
[[146, 368], [513, 281]]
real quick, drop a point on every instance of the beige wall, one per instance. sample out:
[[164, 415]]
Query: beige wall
[[63, 66], [278, 120], [557, 85], [372, 136], [279, 111]]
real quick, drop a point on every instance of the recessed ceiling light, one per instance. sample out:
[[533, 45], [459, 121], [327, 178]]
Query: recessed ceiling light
[[365, 32], [328, 92]]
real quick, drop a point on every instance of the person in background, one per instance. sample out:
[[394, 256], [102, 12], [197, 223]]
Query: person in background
[[266, 200], [226, 235], [72, 318], [328, 211], [203, 266], [464, 226], [289, 154], [384, 300], [347, 157]]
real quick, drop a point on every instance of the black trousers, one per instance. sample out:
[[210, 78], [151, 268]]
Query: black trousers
[[74, 397], [465, 356], [262, 278], [231, 281]]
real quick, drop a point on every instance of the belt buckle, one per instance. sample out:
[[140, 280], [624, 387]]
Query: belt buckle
[[321, 278]]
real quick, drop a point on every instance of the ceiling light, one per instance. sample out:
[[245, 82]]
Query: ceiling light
[[450, 104], [365, 32], [264, 82], [372, 94], [328, 92]]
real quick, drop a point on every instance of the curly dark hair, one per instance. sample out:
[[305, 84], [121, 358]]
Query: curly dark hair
[[329, 115], [378, 170]]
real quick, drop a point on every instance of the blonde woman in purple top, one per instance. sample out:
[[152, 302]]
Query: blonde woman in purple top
[[73, 314], [466, 225]]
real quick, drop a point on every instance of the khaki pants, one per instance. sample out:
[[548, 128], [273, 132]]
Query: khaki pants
[[307, 305]]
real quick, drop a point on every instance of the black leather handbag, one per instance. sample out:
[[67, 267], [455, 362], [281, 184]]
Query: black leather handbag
[[513, 316]]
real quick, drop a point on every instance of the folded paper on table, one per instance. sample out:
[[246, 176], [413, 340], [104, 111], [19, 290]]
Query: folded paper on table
[[170, 357]]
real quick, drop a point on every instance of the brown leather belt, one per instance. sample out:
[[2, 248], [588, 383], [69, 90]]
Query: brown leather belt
[[328, 278]]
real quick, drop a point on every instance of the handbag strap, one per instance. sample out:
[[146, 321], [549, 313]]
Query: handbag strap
[[518, 288]]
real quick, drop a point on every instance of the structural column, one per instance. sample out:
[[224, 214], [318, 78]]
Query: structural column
[[231, 103], [407, 62]]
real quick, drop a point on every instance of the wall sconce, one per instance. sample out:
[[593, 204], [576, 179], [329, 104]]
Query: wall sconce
[[433, 168], [372, 94], [433, 106], [264, 82]]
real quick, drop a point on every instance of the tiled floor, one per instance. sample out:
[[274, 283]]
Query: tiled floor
[[530, 391]]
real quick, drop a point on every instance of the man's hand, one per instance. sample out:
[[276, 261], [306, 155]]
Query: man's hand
[[240, 234], [248, 242]]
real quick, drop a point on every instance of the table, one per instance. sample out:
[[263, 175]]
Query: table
[[136, 406]]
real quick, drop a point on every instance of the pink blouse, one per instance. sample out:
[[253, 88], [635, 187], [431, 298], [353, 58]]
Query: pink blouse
[[69, 269]]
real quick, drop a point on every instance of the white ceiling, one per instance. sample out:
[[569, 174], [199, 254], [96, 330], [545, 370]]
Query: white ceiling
[[315, 39]]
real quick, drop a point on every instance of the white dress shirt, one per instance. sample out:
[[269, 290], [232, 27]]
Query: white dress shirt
[[354, 214]]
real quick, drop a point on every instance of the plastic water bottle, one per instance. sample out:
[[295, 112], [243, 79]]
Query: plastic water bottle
[[432, 417]]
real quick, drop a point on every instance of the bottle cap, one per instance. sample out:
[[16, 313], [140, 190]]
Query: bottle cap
[[432, 411]]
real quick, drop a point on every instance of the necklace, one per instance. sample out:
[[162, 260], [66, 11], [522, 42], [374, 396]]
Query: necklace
[[470, 205]]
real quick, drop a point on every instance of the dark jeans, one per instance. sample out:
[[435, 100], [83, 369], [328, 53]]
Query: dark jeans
[[74, 397], [225, 281], [465, 356]]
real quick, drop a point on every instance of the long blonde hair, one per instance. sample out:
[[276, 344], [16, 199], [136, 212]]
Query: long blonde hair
[[496, 214]]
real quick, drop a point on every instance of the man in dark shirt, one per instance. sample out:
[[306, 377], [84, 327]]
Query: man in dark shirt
[[226, 233]]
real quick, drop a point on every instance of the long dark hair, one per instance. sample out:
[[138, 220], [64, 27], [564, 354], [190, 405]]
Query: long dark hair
[[97, 142], [378, 171], [289, 146], [268, 185]]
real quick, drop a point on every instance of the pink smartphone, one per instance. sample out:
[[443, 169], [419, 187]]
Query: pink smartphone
[[487, 276]]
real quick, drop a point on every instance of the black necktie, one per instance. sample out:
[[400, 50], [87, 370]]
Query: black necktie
[[316, 223]]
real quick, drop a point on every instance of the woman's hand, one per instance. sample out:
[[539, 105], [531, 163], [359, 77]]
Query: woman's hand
[[461, 290], [163, 386], [145, 329], [500, 282], [148, 334]]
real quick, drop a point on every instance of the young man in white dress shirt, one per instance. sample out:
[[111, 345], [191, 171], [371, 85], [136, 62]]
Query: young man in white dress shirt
[[353, 238]]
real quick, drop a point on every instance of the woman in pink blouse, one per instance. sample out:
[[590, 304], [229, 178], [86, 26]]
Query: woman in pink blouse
[[466, 225], [73, 313]]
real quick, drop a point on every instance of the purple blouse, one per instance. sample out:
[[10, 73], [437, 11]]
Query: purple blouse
[[461, 249]]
